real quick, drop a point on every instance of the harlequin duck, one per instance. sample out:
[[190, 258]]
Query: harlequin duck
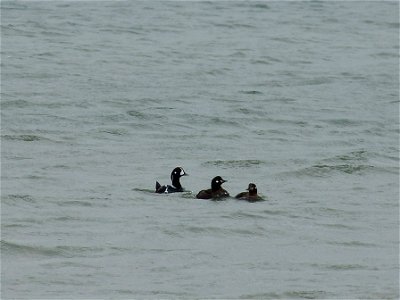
[[216, 191], [251, 195], [176, 186]]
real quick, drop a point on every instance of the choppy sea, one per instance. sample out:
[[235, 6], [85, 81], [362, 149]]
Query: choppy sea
[[99, 99]]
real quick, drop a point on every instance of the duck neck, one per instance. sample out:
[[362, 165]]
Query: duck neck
[[176, 183], [215, 187]]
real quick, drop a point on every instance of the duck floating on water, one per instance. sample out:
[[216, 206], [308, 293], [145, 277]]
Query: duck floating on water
[[250, 195], [216, 191], [176, 186]]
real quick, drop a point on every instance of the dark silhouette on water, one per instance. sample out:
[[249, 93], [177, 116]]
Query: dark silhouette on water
[[250, 195], [176, 186], [216, 191]]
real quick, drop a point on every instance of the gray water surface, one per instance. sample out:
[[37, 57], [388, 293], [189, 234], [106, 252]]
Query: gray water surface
[[101, 99]]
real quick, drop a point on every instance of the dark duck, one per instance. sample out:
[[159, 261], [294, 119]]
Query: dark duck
[[176, 186], [250, 195], [216, 191]]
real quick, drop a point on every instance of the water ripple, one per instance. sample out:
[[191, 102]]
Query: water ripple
[[227, 164], [23, 137], [63, 251], [305, 294], [354, 244]]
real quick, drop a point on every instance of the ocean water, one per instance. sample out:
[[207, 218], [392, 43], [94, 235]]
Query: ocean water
[[99, 99]]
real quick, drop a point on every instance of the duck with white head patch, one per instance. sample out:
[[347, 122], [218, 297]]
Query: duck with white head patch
[[176, 186], [216, 191]]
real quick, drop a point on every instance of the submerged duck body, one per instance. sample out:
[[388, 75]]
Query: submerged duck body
[[250, 195], [176, 186], [216, 191]]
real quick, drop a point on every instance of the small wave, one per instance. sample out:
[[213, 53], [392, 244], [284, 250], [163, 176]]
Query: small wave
[[15, 249], [252, 92], [114, 117], [324, 170], [64, 219], [260, 296], [354, 162], [213, 230], [164, 294], [296, 123], [260, 62], [347, 267], [284, 100], [342, 122], [23, 137], [156, 114], [127, 293], [346, 168], [172, 233], [316, 81], [136, 114], [15, 103], [354, 244], [339, 226], [14, 225], [223, 122], [115, 131], [75, 203], [353, 76], [250, 112], [386, 55], [15, 200], [392, 24], [217, 72], [341, 267], [45, 54], [274, 212], [305, 294], [120, 30], [271, 59], [245, 215], [226, 164], [233, 25], [16, 197], [260, 6], [360, 155], [12, 5], [62, 167], [10, 30]]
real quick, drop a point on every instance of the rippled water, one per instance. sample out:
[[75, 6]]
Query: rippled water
[[101, 99]]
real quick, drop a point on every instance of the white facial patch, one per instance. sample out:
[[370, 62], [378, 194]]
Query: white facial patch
[[182, 172]]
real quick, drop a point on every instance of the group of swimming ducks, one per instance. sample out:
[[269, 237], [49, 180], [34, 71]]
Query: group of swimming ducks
[[216, 192]]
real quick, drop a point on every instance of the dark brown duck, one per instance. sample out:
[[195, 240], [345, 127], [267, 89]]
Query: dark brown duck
[[250, 195], [216, 191]]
